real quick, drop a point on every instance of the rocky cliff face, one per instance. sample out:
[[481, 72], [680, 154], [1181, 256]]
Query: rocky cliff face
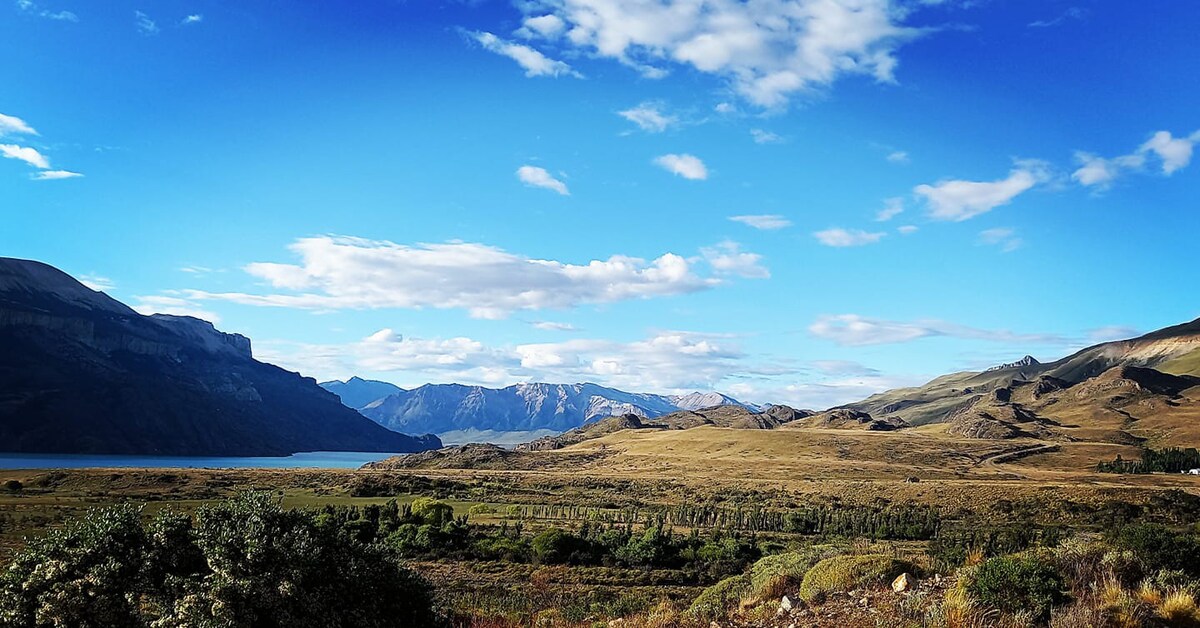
[[82, 373]]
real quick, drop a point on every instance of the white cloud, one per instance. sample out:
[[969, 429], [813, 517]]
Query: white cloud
[[548, 26], [31, 7], [534, 62], [97, 282], [12, 125], [764, 137], [852, 330], [353, 273], [892, 207], [907, 229], [898, 157], [765, 222], [192, 19], [1003, 237], [144, 24], [23, 153], [664, 361], [1174, 152], [725, 108], [539, 178], [553, 326], [847, 237], [767, 50], [959, 200], [727, 258], [176, 306], [650, 117], [1072, 13], [1110, 333], [686, 166], [1100, 172], [54, 175]]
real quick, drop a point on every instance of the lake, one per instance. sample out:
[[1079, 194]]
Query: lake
[[304, 460]]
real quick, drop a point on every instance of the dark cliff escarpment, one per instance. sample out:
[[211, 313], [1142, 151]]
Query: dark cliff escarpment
[[81, 372]]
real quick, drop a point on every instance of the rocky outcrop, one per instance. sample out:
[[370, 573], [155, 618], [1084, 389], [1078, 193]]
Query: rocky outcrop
[[82, 373]]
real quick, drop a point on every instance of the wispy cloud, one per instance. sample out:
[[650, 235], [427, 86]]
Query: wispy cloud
[[54, 175], [1005, 238], [175, 306], [765, 137], [144, 24], [853, 330], [195, 18], [553, 326], [958, 200], [33, 8], [12, 125], [898, 157], [534, 62], [1072, 13], [534, 176], [764, 222], [839, 237], [892, 207], [97, 282], [684, 165], [650, 117]]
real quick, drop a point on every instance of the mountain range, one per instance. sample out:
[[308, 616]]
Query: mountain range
[[522, 408], [80, 372]]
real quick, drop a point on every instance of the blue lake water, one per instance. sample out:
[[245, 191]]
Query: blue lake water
[[305, 460]]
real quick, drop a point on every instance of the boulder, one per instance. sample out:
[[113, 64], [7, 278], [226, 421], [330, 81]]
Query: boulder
[[904, 582]]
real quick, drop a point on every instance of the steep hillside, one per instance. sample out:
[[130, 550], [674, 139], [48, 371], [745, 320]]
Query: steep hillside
[[444, 408], [82, 373]]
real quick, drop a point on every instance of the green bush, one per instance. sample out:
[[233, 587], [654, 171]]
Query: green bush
[[1159, 547], [1020, 583], [716, 601], [844, 573], [243, 562]]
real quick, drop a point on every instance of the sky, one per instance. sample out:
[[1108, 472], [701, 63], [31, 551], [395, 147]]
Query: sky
[[789, 201]]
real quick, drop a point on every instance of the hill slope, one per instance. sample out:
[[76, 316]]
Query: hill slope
[[357, 392], [82, 373]]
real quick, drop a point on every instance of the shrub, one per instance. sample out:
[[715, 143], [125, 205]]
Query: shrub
[[1019, 583], [843, 573], [1159, 547], [775, 576], [13, 486], [1179, 609], [716, 601]]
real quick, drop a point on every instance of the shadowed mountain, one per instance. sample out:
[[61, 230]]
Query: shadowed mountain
[[81, 372], [357, 392]]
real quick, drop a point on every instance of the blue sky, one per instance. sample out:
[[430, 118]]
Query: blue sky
[[800, 201]]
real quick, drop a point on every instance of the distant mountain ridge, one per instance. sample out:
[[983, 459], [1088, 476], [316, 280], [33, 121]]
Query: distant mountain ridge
[[444, 408], [357, 392], [80, 372]]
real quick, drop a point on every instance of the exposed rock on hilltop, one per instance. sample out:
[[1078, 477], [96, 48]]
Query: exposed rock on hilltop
[[845, 418], [81, 372], [1024, 362]]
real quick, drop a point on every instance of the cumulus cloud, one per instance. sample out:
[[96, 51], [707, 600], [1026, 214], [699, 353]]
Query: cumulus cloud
[[958, 200], [354, 273], [727, 258], [853, 330], [1169, 152], [765, 222], [534, 62], [684, 165], [1003, 237], [663, 361], [538, 177], [650, 117], [767, 50], [54, 175], [26, 154], [548, 26], [12, 125], [847, 237], [892, 207]]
